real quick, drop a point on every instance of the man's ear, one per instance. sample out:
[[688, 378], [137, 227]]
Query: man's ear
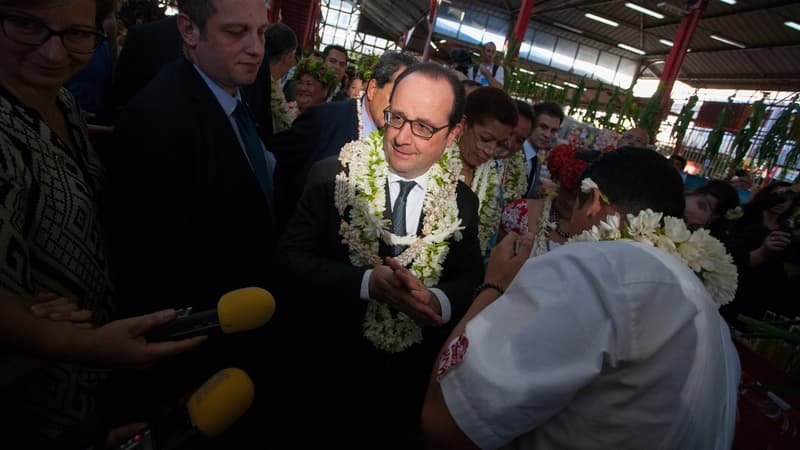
[[454, 133], [372, 86], [190, 31], [594, 204]]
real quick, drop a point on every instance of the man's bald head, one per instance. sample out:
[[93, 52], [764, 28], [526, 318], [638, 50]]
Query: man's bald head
[[635, 137]]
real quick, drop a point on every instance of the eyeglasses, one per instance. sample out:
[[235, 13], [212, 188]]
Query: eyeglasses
[[419, 129], [29, 31]]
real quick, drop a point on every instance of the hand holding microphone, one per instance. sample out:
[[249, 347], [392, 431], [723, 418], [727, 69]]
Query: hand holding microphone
[[237, 311]]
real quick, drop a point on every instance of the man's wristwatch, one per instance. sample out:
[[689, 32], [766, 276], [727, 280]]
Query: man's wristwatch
[[483, 286]]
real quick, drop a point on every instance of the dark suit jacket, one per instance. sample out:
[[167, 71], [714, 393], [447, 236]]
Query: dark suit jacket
[[318, 133], [188, 222], [385, 390], [150, 46]]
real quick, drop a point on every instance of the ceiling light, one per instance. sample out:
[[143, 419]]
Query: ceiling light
[[793, 25], [729, 2], [601, 19], [666, 42], [572, 85], [568, 28], [638, 51], [644, 10], [527, 71], [727, 41], [434, 46], [443, 41]]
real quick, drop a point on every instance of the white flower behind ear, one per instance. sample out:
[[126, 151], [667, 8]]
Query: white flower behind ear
[[587, 184]]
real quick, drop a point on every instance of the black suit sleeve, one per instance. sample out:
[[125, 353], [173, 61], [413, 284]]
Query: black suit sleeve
[[463, 270], [311, 253]]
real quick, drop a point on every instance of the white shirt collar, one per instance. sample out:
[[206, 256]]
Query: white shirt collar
[[530, 152], [366, 121], [227, 101], [422, 180]]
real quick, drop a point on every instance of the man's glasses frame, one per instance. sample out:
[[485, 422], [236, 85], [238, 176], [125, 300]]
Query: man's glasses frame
[[418, 129], [31, 31]]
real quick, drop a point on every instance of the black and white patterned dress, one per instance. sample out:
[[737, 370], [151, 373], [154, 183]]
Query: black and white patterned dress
[[51, 241]]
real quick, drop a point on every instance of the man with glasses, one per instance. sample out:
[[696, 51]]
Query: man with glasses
[[384, 389], [323, 129]]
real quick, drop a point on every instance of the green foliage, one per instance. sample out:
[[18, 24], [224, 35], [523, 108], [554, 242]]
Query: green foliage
[[576, 96], [649, 116], [611, 108], [776, 137], [714, 141], [684, 118], [591, 108], [628, 110]]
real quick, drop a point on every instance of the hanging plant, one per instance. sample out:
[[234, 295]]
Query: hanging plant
[[682, 124], [561, 97], [549, 93], [611, 107], [591, 108], [776, 137], [714, 141], [648, 118], [625, 112], [744, 138], [576, 96]]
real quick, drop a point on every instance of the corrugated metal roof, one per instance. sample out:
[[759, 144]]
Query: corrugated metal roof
[[770, 61]]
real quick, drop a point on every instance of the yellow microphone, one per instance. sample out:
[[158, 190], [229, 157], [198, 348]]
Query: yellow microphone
[[240, 310], [220, 401]]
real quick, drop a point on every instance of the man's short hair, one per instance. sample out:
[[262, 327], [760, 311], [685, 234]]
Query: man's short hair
[[198, 10], [338, 48], [388, 64], [281, 39], [634, 180], [490, 103], [524, 109], [438, 72], [549, 108]]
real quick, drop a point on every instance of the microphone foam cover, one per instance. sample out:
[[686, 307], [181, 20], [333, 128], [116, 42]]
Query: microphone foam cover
[[220, 401], [245, 309]]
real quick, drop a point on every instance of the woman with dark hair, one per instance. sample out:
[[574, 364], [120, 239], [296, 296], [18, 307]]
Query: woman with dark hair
[[768, 263], [712, 206], [548, 218], [489, 117]]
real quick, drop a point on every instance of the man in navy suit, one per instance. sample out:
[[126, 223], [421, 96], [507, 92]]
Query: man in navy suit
[[323, 129], [192, 205]]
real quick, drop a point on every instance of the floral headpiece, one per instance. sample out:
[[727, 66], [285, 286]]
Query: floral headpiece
[[565, 166], [318, 70], [703, 253]]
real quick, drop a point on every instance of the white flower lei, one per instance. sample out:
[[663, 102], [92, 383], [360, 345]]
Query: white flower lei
[[282, 114], [545, 226], [360, 187], [703, 253], [516, 180], [486, 185]]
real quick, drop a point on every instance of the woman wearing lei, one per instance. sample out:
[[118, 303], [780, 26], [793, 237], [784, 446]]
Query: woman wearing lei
[[489, 117], [614, 338], [548, 218], [281, 45]]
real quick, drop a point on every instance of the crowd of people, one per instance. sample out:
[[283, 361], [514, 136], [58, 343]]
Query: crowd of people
[[443, 271]]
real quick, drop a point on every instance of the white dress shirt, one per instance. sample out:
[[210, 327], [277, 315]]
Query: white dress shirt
[[367, 125], [414, 203], [228, 103]]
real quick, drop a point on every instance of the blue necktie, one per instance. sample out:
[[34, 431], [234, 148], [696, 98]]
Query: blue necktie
[[399, 213], [252, 145]]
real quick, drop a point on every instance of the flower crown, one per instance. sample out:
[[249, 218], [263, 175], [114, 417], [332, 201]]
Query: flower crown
[[318, 70], [565, 166], [365, 66], [703, 253]]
